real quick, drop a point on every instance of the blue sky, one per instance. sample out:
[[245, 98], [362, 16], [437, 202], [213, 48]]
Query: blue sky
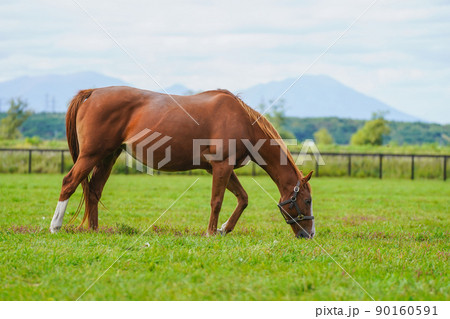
[[398, 52]]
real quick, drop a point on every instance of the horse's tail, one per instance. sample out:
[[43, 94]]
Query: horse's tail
[[72, 140]]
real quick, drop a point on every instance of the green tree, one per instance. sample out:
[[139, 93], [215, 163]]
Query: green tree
[[275, 114], [16, 115], [323, 137], [372, 132]]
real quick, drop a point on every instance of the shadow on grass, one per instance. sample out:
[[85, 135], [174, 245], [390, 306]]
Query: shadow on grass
[[119, 229], [178, 232]]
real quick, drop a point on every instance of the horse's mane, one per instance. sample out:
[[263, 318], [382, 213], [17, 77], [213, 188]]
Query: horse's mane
[[264, 125]]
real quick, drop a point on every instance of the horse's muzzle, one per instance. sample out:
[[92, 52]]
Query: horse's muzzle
[[304, 234]]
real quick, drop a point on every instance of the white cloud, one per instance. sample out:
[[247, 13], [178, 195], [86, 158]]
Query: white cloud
[[395, 48]]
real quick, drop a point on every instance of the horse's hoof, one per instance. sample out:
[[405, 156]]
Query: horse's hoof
[[55, 230], [222, 230]]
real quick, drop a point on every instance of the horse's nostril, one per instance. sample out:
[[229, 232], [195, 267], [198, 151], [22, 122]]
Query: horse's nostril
[[303, 234]]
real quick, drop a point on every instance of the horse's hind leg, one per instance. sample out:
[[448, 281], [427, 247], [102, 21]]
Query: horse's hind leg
[[236, 188], [78, 173], [100, 175]]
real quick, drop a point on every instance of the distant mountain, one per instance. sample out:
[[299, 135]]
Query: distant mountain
[[52, 93], [321, 96], [314, 96], [311, 96]]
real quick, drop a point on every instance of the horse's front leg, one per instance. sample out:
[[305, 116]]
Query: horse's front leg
[[221, 172]]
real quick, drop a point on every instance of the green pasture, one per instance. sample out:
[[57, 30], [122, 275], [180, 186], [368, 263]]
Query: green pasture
[[391, 236]]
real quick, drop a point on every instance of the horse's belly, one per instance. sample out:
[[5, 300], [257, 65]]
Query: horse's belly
[[167, 156]]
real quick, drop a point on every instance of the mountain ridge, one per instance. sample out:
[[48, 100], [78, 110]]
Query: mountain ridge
[[311, 96], [52, 92], [321, 96], [314, 96]]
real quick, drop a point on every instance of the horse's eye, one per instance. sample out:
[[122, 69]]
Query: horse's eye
[[308, 201]]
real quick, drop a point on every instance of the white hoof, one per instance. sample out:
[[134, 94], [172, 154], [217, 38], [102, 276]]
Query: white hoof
[[58, 217], [55, 229], [221, 230]]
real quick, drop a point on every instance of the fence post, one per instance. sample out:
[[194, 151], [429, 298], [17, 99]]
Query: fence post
[[412, 167], [380, 173], [29, 161], [62, 162], [349, 169], [445, 168]]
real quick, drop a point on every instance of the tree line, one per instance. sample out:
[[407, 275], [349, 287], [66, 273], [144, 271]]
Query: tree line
[[342, 130]]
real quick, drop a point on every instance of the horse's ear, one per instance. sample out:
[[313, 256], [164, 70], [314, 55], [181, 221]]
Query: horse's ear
[[308, 177]]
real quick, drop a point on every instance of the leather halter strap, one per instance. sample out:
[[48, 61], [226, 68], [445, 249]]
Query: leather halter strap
[[293, 203]]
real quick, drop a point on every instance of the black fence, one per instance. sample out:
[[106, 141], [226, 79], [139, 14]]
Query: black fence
[[380, 158], [14, 160]]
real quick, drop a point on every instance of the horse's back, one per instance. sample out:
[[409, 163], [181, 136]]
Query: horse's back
[[126, 111], [125, 97]]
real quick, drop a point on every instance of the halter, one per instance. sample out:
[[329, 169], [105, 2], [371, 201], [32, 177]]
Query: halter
[[293, 203]]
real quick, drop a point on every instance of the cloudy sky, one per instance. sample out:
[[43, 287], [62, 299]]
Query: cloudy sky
[[398, 51]]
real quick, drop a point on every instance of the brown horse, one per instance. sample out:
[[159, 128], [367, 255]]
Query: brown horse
[[100, 123]]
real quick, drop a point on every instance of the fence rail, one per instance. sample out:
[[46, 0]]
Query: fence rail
[[349, 158], [380, 156]]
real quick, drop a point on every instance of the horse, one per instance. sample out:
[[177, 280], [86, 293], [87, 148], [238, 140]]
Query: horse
[[102, 122]]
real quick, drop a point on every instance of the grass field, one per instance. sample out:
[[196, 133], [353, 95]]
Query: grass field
[[391, 236]]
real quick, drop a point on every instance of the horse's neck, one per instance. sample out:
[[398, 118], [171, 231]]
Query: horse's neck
[[285, 175]]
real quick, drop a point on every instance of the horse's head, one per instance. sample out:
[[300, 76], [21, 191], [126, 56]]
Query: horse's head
[[296, 208]]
